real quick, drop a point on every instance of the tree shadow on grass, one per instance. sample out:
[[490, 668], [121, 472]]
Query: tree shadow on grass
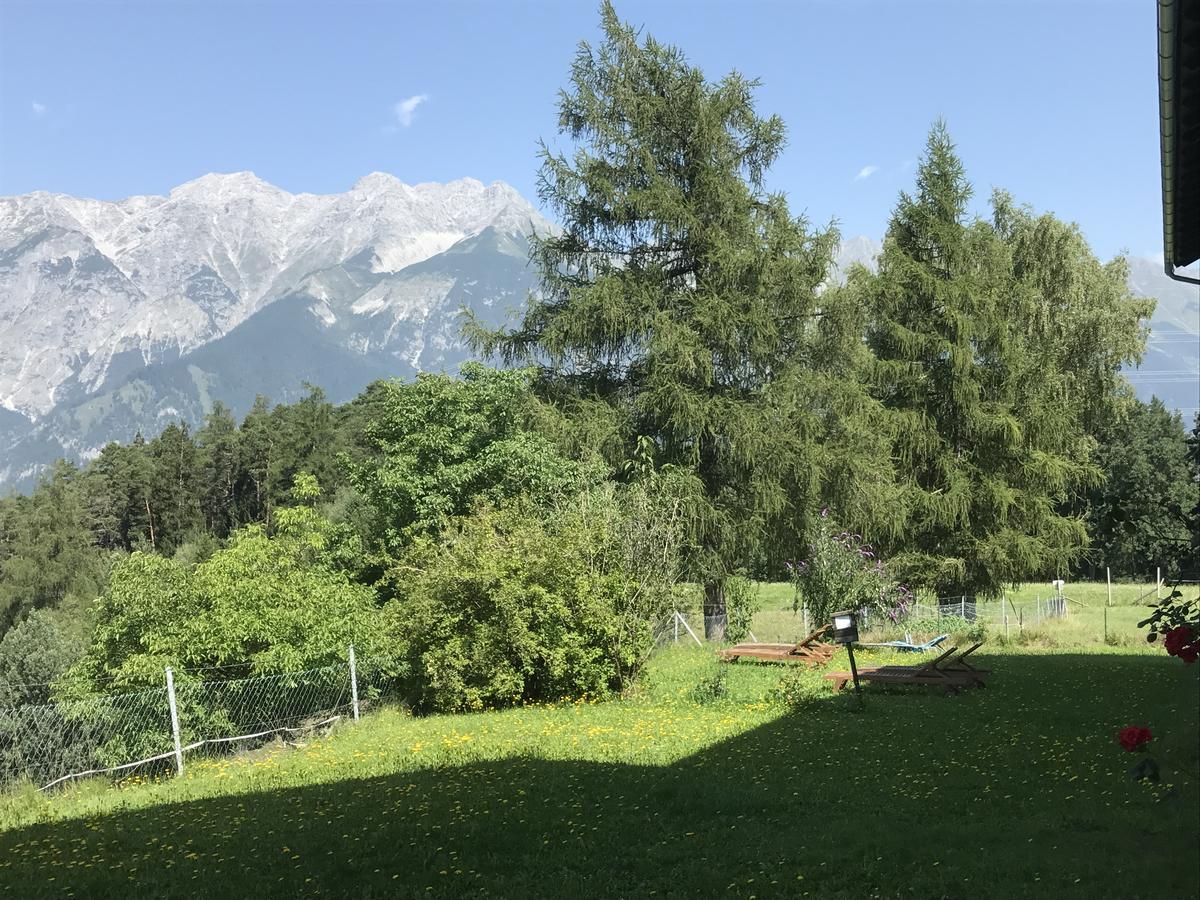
[[1015, 790]]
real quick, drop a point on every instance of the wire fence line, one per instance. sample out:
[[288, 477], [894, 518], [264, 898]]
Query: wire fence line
[[154, 731], [688, 626]]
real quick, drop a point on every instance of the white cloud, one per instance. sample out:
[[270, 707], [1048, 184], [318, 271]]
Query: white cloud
[[866, 172], [406, 109], [39, 109]]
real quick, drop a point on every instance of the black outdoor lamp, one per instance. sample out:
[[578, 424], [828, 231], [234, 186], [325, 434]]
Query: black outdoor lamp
[[845, 627], [845, 631]]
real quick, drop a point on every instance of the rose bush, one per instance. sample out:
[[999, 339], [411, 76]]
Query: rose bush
[[1177, 620], [1181, 641], [1134, 737]]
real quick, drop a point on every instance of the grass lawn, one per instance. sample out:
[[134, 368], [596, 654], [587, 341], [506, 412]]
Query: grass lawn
[[1016, 790]]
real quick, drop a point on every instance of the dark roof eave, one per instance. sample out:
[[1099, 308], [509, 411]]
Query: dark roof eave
[[1179, 131]]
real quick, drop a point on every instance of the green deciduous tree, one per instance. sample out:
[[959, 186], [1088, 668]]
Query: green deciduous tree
[[1138, 516], [440, 445], [276, 603], [680, 303]]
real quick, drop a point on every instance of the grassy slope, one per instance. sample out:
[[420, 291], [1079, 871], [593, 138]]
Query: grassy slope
[[1016, 790]]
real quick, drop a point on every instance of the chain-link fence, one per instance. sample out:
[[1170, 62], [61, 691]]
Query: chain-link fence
[[209, 712]]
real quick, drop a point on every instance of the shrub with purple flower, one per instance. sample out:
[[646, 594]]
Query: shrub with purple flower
[[843, 571]]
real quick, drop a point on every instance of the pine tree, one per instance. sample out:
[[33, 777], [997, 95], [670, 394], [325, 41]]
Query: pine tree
[[679, 303], [309, 441]]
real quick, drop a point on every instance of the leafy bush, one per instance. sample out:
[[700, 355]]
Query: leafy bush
[[33, 654], [512, 605], [844, 572], [38, 740], [1177, 620], [267, 603], [710, 688], [800, 686]]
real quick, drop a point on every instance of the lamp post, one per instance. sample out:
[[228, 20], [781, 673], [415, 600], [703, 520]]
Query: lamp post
[[845, 631]]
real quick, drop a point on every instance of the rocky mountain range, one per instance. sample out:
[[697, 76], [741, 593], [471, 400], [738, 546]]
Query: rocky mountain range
[[120, 317]]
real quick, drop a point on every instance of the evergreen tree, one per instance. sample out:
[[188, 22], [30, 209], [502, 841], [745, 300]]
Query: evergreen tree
[[174, 497], [989, 396], [218, 470], [309, 442], [107, 492], [679, 303], [139, 475], [259, 463]]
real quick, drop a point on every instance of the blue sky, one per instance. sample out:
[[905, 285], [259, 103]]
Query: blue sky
[[1054, 101]]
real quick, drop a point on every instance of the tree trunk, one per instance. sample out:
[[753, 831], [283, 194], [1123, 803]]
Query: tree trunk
[[714, 611], [150, 522]]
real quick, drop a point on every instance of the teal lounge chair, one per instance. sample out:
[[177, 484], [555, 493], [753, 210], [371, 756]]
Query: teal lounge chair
[[908, 646]]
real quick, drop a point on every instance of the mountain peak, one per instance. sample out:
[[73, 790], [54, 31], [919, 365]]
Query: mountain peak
[[224, 183], [379, 183]]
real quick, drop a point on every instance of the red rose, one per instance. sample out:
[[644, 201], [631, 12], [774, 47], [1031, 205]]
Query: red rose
[[1177, 639], [1190, 653], [1132, 737]]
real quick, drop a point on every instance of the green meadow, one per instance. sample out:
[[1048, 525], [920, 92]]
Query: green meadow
[[701, 783]]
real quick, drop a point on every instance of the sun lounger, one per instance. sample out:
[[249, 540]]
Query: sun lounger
[[909, 646], [959, 666], [930, 673], [810, 651]]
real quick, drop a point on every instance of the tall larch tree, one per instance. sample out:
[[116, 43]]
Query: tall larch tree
[[680, 304]]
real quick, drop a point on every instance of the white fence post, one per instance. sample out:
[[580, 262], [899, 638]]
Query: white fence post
[[1158, 583], [174, 722], [353, 683], [675, 621], [679, 618]]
